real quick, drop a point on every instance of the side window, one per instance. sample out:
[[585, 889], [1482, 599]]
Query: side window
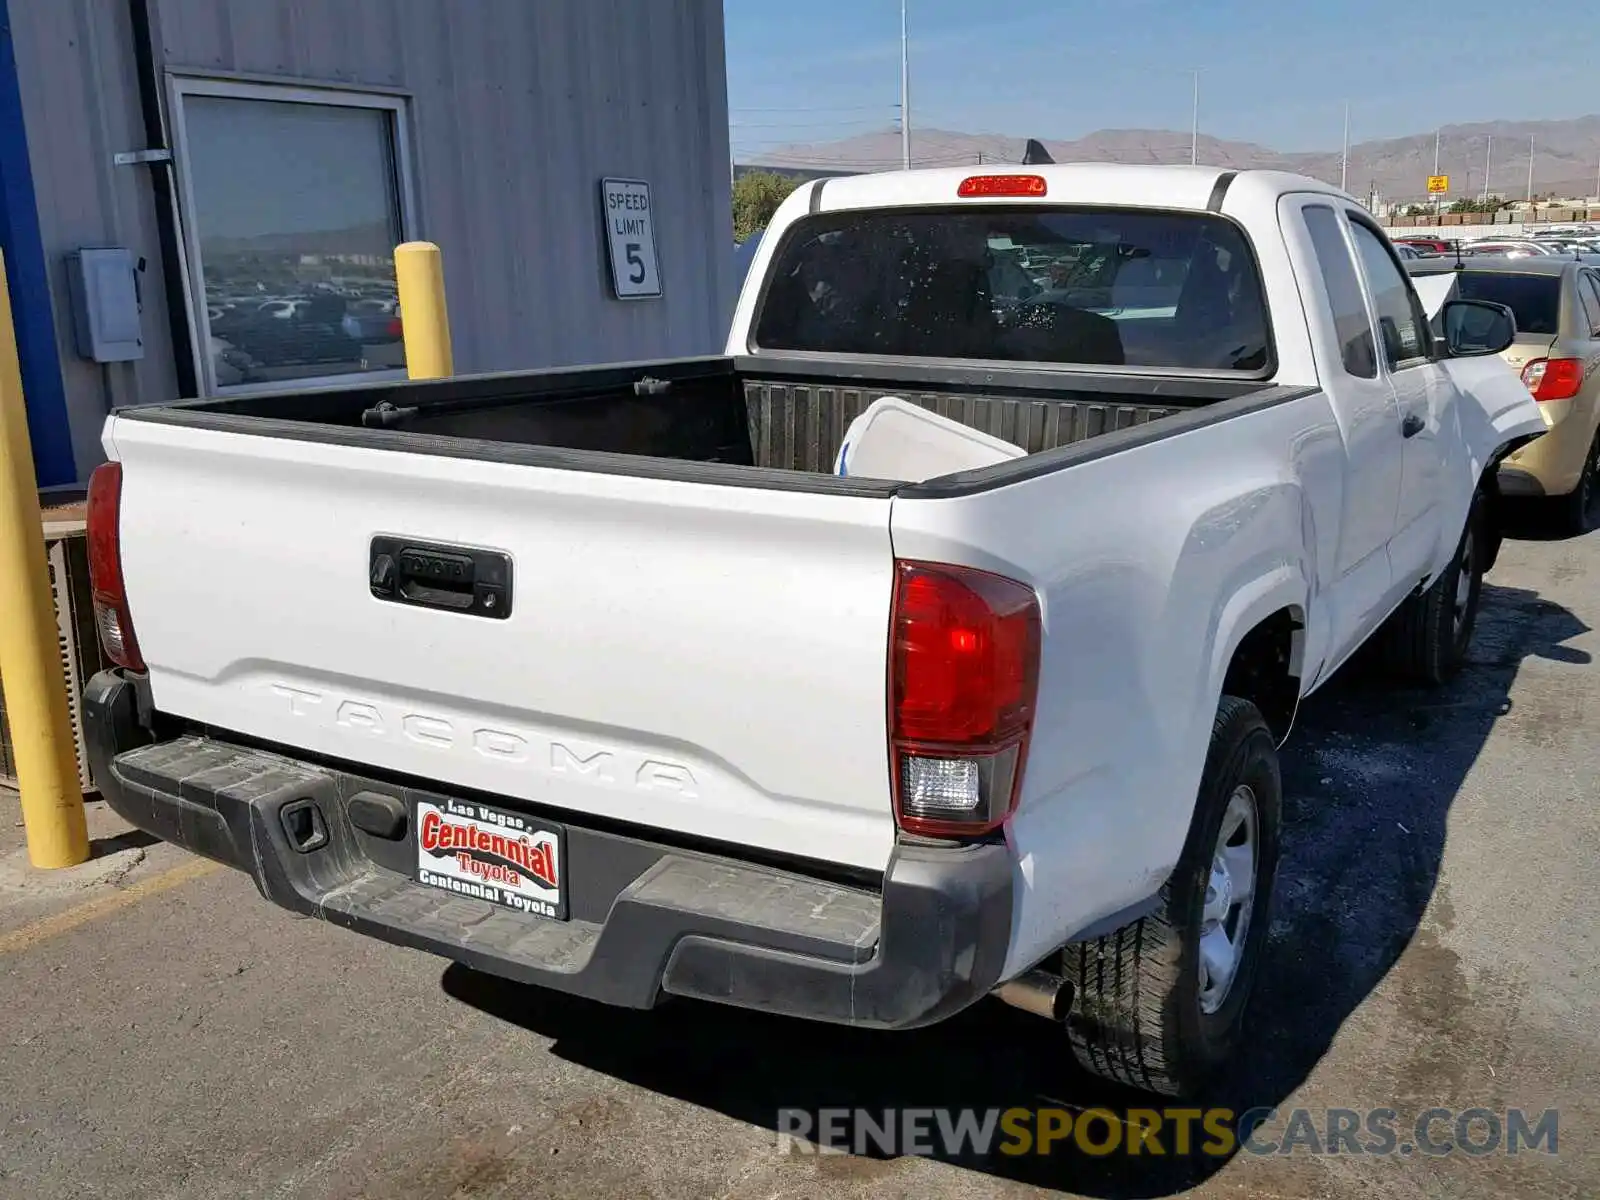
[[1404, 332], [1589, 292], [1344, 291]]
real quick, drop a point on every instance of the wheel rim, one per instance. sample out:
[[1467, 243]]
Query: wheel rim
[[1225, 917], [1465, 572]]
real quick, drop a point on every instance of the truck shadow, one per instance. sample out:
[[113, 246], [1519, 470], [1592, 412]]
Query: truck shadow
[[1370, 777]]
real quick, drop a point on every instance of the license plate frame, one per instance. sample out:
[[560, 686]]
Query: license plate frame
[[487, 852]]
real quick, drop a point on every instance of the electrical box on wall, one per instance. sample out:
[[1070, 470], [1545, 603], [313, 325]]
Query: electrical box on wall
[[105, 304]]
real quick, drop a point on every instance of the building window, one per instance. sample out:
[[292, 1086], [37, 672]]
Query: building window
[[294, 202]]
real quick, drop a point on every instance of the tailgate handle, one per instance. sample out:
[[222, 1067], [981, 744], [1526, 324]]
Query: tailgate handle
[[429, 575], [435, 578]]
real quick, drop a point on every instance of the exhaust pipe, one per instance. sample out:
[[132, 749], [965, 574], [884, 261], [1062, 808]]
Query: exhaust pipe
[[1039, 992]]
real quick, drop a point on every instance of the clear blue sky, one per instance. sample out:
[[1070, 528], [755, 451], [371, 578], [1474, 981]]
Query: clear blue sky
[[1272, 72]]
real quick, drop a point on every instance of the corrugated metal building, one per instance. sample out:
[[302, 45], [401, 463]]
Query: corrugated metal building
[[306, 139]]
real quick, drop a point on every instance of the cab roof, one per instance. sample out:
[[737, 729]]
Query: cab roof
[[1114, 184]]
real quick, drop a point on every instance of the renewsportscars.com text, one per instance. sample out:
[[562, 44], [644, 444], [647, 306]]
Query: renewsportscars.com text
[[1150, 1132]]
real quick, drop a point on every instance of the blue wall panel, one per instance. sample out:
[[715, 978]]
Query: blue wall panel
[[29, 282]]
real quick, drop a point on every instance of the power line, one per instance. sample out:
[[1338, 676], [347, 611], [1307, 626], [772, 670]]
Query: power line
[[822, 154], [778, 145], [807, 124], [882, 164], [801, 108]]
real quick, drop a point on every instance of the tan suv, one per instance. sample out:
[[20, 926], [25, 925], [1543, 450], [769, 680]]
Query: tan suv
[[1556, 301]]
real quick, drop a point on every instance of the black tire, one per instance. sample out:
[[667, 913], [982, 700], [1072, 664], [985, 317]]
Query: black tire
[[1137, 1016], [1577, 512], [1426, 639]]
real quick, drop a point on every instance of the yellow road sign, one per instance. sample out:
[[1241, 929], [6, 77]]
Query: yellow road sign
[[1438, 183]]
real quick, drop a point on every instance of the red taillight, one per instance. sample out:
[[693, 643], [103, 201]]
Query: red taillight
[[1002, 185], [1554, 378], [105, 568], [396, 330], [963, 676]]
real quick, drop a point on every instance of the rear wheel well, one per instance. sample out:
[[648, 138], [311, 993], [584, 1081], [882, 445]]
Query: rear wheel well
[[1265, 670]]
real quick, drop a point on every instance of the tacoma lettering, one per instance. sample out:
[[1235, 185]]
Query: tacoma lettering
[[499, 745]]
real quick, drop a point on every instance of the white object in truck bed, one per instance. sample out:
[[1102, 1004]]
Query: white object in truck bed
[[1434, 291], [896, 439]]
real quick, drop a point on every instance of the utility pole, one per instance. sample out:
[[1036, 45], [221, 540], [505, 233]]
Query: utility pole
[[1530, 173], [905, 92], [1488, 165], [1344, 157], [1194, 125], [1437, 197]]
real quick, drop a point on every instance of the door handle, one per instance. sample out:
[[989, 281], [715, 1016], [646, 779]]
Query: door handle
[[1411, 425], [453, 578]]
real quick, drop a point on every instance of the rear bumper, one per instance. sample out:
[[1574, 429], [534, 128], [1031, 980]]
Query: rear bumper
[[1550, 465], [646, 920]]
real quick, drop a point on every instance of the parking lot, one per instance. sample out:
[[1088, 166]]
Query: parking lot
[[169, 1034]]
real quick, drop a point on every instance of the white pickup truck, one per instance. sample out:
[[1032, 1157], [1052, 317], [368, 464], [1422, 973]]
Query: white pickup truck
[[605, 680]]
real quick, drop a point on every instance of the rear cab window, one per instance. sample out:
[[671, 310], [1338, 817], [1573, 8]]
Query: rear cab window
[[1090, 287]]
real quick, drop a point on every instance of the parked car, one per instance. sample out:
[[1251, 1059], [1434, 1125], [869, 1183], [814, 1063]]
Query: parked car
[[882, 747], [282, 310], [1506, 249], [295, 331], [1431, 244], [372, 322], [1556, 301], [229, 364]]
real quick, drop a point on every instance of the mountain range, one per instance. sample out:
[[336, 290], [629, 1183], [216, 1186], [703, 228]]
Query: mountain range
[[1565, 161]]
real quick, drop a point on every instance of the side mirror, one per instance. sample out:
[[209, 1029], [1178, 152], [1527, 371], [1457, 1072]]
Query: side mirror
[[1477, 327]]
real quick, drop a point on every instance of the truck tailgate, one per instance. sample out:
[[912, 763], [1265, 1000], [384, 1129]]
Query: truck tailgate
[[702, 659]]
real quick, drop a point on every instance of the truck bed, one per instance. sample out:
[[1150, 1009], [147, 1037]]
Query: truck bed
[[776, 416], [689, 613]]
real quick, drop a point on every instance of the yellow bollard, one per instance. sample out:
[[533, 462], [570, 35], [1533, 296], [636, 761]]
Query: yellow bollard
[[30, 659], [424, 320]]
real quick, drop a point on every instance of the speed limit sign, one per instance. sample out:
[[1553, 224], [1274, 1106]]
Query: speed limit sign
[[630, 232]]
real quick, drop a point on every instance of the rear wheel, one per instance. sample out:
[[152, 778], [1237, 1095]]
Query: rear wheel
[[1159, 1004], [1578, 515], [1426, 639]]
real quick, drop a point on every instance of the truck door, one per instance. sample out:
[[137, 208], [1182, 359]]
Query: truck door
[[1355, 580], [1424, 395]]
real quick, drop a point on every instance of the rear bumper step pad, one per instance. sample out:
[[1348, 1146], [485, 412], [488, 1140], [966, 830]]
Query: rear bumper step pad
[[646, 919]]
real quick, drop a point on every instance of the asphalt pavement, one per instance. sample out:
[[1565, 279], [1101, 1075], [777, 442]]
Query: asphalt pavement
[[167, 1033]]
